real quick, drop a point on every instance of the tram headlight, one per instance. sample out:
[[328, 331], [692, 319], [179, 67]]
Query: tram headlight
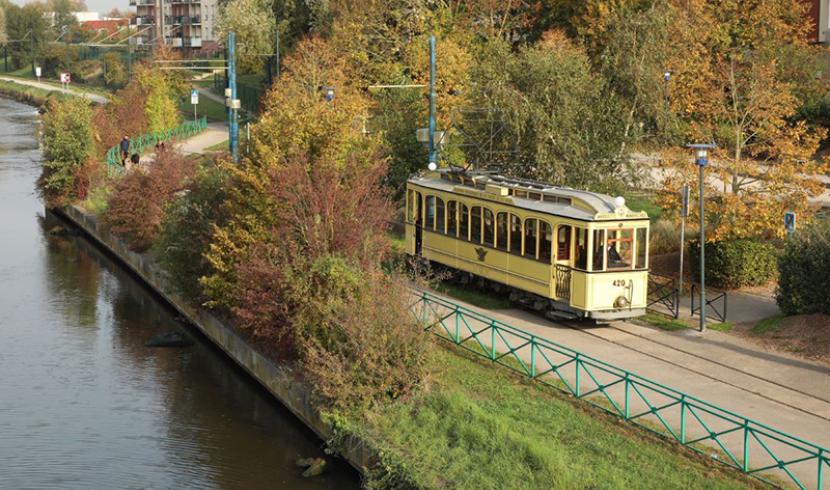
[[621, 302]]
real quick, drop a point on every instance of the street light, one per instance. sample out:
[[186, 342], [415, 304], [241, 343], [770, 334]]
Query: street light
[[702, 159], [329, 93], [666, 78]]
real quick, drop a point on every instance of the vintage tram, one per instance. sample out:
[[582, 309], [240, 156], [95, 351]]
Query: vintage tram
[[571, 253]]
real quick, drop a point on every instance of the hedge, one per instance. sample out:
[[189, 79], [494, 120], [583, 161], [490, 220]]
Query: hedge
[[732, 264], [804, 273]]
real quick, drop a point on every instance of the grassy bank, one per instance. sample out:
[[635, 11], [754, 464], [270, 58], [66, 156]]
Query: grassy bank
[[480, 427], [26, 94]]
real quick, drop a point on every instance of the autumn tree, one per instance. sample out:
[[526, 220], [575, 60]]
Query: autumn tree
[[546, 115], [297, 122], [255, 28], [749, 106], [67, 149]]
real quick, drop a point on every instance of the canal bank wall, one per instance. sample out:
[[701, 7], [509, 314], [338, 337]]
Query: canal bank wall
[[282, 381]]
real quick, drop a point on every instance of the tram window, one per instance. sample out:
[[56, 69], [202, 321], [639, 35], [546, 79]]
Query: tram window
[[464, 225], [515, 234], [563, 243], [598, 263], [581, 261], [620, 249], [530, 238], [475, 224], [439, 215], [545, 241], [501, 231], [410, 205], [642, 247], [489, 228], [452, 219], [430, 222]]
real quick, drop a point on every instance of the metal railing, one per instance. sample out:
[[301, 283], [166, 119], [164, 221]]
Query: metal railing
[[663, 290], [711, 304], [739, 442], [139, 143]]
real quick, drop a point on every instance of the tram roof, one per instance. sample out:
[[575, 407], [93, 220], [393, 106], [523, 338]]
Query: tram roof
[[528, 194]]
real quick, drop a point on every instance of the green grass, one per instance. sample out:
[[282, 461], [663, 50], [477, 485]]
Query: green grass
[[477, 298], [721, 327], [97, 200], [214, 111], [644, 202], [768, 325], [223, 146], [480, 427], [662, 321], [27, 94]]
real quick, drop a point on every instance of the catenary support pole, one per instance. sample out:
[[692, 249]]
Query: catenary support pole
[[433, 160], [233, 122]]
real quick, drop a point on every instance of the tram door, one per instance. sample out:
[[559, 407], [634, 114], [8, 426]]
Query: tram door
[[419, 216], [563, 245]]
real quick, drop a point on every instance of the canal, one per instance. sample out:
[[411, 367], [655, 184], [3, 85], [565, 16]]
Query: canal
[[83, 403]]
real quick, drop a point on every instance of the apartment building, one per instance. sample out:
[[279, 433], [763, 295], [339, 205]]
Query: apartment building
[[819, 13], [184, 24]]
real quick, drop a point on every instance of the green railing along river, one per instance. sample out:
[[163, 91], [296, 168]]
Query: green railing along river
[[737, 441], [139, 143]]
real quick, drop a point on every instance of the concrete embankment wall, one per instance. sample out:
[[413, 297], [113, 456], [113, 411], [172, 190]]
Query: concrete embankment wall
[[280, 380]]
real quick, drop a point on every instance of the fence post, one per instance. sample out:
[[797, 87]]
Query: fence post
[[424, 308], [746, 446], [820, 469], [578, 362], [627, 396], [532, 357], [457, 325], [493, 340], [683, 419]]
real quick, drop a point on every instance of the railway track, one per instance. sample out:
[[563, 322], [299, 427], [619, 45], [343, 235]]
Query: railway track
[[666, 358]]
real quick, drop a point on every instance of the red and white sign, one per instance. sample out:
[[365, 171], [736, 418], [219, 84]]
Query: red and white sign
[[65, 78]]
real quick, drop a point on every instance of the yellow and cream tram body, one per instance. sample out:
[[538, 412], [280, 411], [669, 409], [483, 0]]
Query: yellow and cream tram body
[[568, 252]]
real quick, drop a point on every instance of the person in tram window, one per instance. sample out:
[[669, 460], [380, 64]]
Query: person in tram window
[[614, 257]]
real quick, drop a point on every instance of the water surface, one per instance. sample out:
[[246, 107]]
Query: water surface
[[83, 404]]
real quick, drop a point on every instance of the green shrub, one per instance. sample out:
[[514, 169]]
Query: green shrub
[[67, 148], [187, 229], [733, 264], [804, 273]]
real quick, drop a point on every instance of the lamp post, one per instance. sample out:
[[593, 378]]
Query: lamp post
[[702, 159], [666, 78]]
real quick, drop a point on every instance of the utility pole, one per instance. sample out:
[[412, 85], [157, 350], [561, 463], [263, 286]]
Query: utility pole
[[233, 123], [433, 155]]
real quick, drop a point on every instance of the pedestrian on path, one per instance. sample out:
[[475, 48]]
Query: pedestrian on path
[[125, 148]]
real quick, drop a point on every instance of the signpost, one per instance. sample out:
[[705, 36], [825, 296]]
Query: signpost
[[789, 222], [194, 99], [684, 213], [37, 73], [65, 79]]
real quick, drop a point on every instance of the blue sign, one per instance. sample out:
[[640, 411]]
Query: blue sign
[[194, 96], [789, 221]]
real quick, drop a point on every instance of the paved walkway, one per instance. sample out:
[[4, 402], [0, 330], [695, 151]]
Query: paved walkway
[[740, 307], [782, 391], [214, 134], [98, 99]]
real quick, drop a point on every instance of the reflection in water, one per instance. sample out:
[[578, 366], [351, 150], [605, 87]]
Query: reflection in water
[[83, 404]]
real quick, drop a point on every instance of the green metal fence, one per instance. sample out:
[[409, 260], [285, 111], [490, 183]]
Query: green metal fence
[[737, 441], [139, 143]]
